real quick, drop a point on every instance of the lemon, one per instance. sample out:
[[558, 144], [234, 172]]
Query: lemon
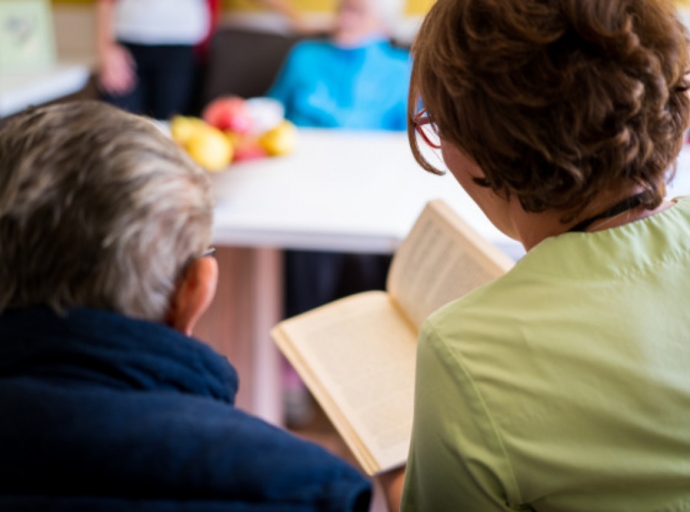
[[280, 140], [210, 148], [182, 128]]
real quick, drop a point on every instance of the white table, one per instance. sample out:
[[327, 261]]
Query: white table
[[18, 91], [344, 191], [681, 183], [340, 191]]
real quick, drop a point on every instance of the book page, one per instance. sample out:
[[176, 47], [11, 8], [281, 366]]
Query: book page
[[357, 356], [441, 260]]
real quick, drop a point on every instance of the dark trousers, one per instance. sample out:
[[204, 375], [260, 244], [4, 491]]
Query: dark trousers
[[166, 77], [316, 278]]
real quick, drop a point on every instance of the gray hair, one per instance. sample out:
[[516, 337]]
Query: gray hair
[[98, 209], [388, 11]]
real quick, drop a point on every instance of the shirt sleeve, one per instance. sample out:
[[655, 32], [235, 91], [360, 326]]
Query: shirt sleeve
[[456, 459]]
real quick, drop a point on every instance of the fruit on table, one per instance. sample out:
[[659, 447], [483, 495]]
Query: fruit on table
[[229, 114], [280, 140], [182, 128], [245, 147], [266, 114], [229, 132], [210, 148]]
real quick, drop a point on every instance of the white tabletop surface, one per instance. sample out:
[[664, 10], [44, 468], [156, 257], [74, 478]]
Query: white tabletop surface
[[339, 190], [345, 191], [680, 186], [18, 91]]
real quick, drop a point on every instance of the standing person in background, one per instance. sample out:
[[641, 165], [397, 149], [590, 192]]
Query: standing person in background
[[147, 52]]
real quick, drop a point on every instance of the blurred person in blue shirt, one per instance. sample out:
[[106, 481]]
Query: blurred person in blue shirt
[[355, 80]]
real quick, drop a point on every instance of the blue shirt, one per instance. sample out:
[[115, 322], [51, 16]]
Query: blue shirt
[[325, 86]]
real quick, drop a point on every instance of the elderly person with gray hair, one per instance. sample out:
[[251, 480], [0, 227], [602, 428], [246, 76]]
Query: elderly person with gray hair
[[354, 80], [107, 402]]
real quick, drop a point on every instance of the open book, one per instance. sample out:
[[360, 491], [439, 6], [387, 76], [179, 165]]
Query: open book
[[357, 354]]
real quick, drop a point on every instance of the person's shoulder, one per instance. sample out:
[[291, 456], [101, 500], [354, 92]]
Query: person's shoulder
[[482, 297], [393, 54], [495, 311], [396, 52], [396, 60], [224, 439], [682, 203]]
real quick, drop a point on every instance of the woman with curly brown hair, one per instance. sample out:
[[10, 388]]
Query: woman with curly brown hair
[[564, 385]]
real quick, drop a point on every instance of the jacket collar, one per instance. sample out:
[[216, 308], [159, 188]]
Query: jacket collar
[[112, 350]]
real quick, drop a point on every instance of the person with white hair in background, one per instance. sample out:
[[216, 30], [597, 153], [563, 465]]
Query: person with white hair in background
[[355, 80], [107, 401]]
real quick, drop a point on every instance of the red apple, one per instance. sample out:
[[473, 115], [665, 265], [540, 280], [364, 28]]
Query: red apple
[[246, 147], [245, 153], [229, 114]]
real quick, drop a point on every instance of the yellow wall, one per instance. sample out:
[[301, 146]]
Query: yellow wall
[[418, 6], [307, 5], [413, 6]]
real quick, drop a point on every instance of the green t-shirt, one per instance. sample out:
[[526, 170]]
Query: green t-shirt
[[565, 384]]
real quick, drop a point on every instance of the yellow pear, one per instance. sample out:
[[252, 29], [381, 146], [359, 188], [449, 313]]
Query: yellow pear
[[280, 140], [182, 128], [210, 148]]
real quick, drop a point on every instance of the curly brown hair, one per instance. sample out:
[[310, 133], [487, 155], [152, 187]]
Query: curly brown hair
[[556, 100]]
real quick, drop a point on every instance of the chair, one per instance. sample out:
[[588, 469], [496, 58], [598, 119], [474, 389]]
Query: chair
[[244, 62]]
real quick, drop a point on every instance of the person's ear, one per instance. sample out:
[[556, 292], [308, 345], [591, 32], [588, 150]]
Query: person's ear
[[193, 294]]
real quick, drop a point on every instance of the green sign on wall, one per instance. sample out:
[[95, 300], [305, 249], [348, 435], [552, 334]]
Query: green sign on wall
[[26, 36]]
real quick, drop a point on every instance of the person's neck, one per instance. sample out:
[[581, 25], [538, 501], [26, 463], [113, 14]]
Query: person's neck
[[532, 228], [354, 41]]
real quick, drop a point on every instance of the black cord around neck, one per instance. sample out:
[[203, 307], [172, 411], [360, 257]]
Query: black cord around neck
[[625, 205]]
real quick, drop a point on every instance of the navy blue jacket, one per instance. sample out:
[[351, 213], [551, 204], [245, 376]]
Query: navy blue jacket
[[103, 412]]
